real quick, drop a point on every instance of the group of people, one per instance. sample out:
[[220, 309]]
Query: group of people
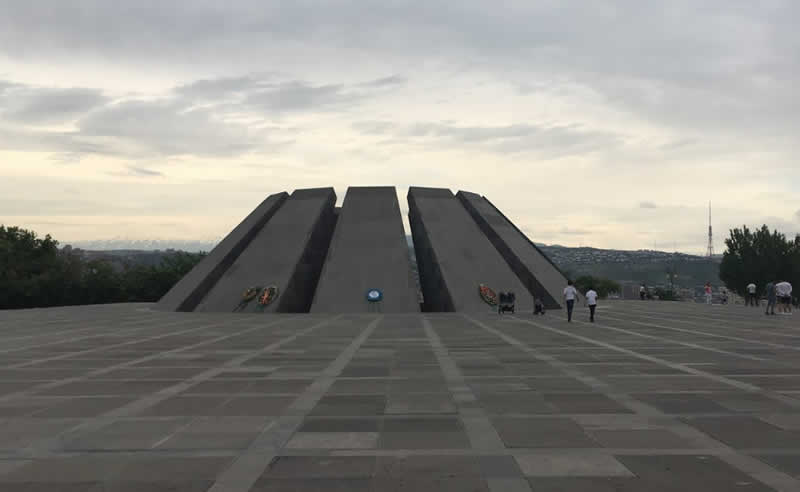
[[778, 293], [571, 295]]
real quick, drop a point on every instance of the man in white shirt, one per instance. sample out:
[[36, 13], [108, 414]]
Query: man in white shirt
[[784, 293], [570, 294], [591, 300], [751, 299]]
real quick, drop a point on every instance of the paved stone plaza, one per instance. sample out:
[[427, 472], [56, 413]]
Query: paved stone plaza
[[654, 397]]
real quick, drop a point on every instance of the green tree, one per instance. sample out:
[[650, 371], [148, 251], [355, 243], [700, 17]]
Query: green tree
[[149, 284], [35, 273], [759, 256], [602, 286], [27, 266]]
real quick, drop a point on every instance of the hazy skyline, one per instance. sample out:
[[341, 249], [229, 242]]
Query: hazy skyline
[[609, 124]]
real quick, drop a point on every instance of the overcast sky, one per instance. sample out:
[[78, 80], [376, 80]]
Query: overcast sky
[[602, 123]]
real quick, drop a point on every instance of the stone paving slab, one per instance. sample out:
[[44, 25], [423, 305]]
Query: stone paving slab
[[655, 396]]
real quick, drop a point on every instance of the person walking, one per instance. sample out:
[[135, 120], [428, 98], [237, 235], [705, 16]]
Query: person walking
[[784, 292], [709, 293], [642, 292], [771, 298], [591, 300], [570, 294], [751, 299]]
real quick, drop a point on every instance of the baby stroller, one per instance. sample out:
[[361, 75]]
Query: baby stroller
[[505, 302], [538, 306]]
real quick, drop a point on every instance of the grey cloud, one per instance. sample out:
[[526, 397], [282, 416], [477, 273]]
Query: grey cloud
[[647, 205], [299, 96], [167, 127], [41, 105], [197, 119], [797, 216], [548, 141], [574, 232], [391, 80], [141, 171], [721, 66]]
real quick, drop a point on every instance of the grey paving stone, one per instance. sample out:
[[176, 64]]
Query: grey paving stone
[[553, 384], [675, 473], [246, 406], [527, 402], [787, 463], [82, 407], [571, 464], [502, 381], [79, 469], [267, 386], [542, 433], [499, 467], [365, 372], [185, 406], [584, 403], [424, 440], [350, 405], [315, 467], [420, 404], [422, 424], [427, 467], [746, 432], [443, 484], [784, 421], [18, 433], [639, 439], [678, 403], [590, 484], [48, 487], [230, 387], [359, 386], [226, 424], [154, 486], [205, 442], [171, 469], [321, 424], [750, 402], [333, 440], [315, 485]]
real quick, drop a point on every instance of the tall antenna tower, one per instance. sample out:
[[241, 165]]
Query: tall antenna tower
[[710, 252]]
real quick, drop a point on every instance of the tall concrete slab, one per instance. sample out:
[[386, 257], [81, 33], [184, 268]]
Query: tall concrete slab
[[368, 251], [288, 252], [195, 285], [534, 269], [455, 256]]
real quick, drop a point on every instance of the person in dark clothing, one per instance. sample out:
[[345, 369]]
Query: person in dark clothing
[[538, 306], [771, 298]]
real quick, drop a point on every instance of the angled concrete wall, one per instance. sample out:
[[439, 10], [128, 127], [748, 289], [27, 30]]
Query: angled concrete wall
[[195, 285], [541, 277], [455, 256], [287, 252], [368, 250]]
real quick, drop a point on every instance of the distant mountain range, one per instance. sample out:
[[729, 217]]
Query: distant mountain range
[[146, 245], [621, 265]]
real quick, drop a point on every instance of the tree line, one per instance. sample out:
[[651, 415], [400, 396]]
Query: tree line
[[34, 272], [759, 256]]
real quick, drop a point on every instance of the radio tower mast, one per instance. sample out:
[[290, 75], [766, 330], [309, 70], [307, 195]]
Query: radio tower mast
[[710, 252]]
